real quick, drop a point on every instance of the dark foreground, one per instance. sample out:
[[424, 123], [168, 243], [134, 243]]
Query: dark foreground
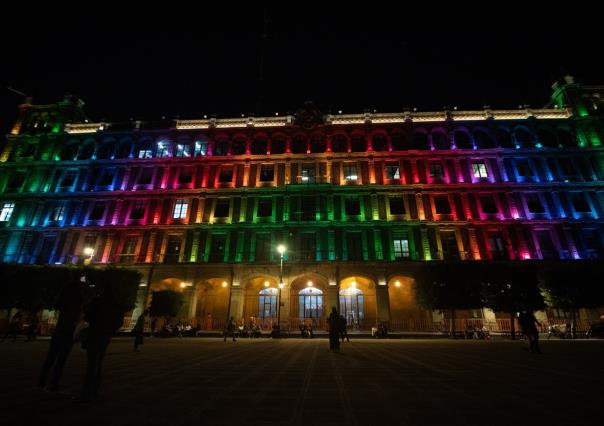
[[294, 381]]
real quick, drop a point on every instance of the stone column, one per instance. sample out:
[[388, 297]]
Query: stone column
[[382, 302]]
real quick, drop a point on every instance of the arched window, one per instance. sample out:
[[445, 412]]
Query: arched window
[[380, 143], [299, 145], [310, 301], [358, 144], [267, 303], [398, 141], [547, 138], [352, 305], [504, 139], [221, 147], [565, 138], [462, 140], [238, 147], [440, 141], [317, 144], [277, 145], [483, 140], [163, 149], [339, 144], [259, 146], [420, 141], [523, 138]]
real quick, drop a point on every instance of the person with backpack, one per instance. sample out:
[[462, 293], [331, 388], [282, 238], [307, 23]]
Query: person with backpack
[[104, 317]]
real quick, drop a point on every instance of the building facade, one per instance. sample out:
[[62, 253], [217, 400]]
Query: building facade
[[360, 202]]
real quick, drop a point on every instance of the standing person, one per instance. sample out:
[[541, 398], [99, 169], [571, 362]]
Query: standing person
[[104, 317], [334, 330], [529, 324], [70, 308], [230, 329], [343, 330], [13, 327], [139, 330], [32, 330]]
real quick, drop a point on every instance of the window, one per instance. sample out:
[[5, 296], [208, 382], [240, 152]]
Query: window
[[183, 150], [146, 176], [6, 212], [523, 167], [68, 179], [180, 209], [352, 207], [163, 149], [488, 205], [267, 173], [357, 143], [479, 169], [97, 211], [308, 246], [129, 249], [185, 176], [441, 203], [107, 177], [310, 303], [397, 206], [138, 210], [401, 248], [548, 250], [173, 249], [267, 303], [308, 173], [238, 147], [354, 246], [449, 245], [16, 180], [309, 208], [226, 175], [350, 172], [201, 148], [352, 306], [259, 146], [217, 248], [339, 144], [436, 170], [263, 247], [566, 166], [265, 207], [58, 213], [393, 170], [222, 208], [145, 153], [580, 204], [221, 147], [534, 203], [496, 246]]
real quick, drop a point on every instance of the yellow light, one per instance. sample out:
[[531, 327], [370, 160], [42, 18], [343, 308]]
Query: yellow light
[[88, 251], [183, 285], [353, 284], [281, 248], [397, 283], [281, 285], [224, 284], [309, 284], [266, 284]]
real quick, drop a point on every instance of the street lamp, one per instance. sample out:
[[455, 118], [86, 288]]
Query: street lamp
[[281, 249], [88, 251]]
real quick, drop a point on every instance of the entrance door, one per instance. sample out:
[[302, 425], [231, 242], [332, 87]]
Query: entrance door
[[352, 306]]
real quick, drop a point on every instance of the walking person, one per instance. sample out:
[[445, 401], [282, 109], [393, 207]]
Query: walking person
[[13, 327], [529, 324], [343, 329], [334, 330], [61, 343], [104, 318], [34, 325], [139, 330], [230, 329]]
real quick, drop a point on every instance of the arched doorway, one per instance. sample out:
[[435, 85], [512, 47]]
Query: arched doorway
[[261, 301], [212, 304], [307, 300], [357, 298], [267, 304], [310, 303]]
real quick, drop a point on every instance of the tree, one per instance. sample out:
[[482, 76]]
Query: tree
[[165, 303], [510, 287], [571, 285], [449, 287], [124, 283]]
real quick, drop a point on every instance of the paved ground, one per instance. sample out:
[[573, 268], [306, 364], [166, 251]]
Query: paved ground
[[298, 382]]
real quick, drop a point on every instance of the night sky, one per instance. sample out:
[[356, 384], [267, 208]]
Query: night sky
[[189, 61]]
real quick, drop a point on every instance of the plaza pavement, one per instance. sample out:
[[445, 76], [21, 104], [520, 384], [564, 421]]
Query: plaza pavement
[[204, 381]]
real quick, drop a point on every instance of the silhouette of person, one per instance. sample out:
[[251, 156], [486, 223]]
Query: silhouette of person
[[334, 330], [13, 327], [529, 323], [32, 330], [343, 330], [139, 330], [70, 308], [230, 329], [105, 317]]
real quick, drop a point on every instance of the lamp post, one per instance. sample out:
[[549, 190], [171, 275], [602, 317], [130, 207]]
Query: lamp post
[[281, 249], [88, 251]]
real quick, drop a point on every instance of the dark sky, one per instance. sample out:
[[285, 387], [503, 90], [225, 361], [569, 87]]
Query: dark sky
[[192, 60]]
